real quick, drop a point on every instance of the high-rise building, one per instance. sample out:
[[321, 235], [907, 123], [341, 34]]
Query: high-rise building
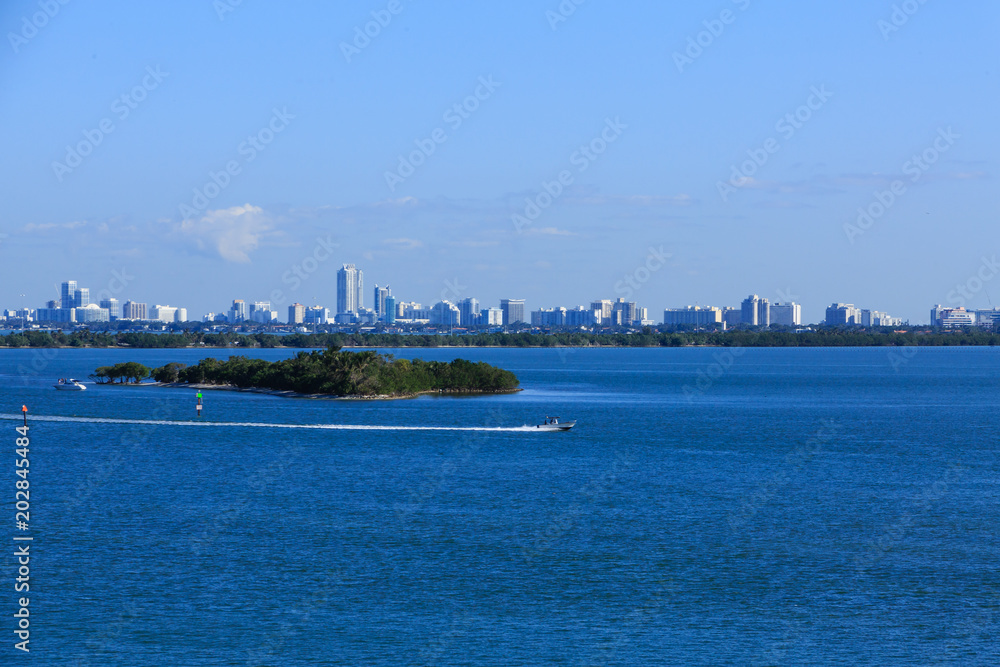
[[133, 310], [114, 308], [240, 311], [627, 310], [470, 311], [755, 311], [603, 308], [350, 290], [513, 310], [445, 313], [936, 315], [786, 314], [696, 315], [380, 296], [317, 315], [81, 297], [492, 317], [732, 317], [68, 294], [181, 315], [842, 314], [296, 313], [390, 310], [160, 313], [957, 317]]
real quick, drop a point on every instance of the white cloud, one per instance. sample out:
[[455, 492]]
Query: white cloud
[[233, 232], [404, 243]]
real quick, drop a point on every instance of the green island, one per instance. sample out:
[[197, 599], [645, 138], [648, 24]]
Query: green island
[[823, 337], [330, 372]]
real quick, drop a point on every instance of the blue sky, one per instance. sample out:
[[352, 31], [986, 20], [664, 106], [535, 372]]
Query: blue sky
[[666, 119]]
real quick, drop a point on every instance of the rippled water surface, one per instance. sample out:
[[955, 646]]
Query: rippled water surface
[[779, 506]]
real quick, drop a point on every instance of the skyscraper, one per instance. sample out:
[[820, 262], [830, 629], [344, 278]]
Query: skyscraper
[[68, 294], [296, 313], [81, 297], [470, 311], [513, 310], [787, 314], [114, 308], [756, 311], [240, 312], [381, 293], [350, 286], [134, 311]]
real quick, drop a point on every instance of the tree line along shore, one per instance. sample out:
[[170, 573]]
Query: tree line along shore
[[330, 372], [831, 337]]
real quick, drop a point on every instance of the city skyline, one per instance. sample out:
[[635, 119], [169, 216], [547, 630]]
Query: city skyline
[[74, 306], [518, 169]]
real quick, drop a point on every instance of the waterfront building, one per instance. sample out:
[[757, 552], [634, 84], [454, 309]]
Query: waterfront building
[[786, 314], [160, 313], [445, 313], [67, 294], [350, 289], [755, 311], [957, 317], [988, 318], [134, 310], [381, 294], [696, 315], [56, 314], [842, 314], [513, 311], [296, 313], [492, 317], [114, 308], [732, 317], [936, 315], [549, 317], [582, 317], [239, 311], [181, 315], [470, 311], [390, 310], [628, 312], [603, 308], [317, 315]]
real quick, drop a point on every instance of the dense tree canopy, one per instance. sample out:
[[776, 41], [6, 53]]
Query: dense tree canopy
[[344, 374]]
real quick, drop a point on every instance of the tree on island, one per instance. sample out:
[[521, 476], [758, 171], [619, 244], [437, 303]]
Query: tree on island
[[336, 373], [129, 371]]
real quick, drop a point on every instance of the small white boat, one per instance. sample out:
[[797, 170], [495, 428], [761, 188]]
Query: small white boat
[[70, 385], [553, 424]]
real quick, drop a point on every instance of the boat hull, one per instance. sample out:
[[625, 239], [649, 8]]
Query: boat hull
[[561, 426]]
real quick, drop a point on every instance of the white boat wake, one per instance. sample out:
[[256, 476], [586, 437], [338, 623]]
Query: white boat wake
[[326, 427]]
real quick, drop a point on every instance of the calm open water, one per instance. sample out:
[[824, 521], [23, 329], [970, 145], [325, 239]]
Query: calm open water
[[780, 506]]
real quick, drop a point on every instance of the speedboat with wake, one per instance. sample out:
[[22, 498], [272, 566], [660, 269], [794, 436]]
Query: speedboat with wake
[[70, 385], [553, 424]]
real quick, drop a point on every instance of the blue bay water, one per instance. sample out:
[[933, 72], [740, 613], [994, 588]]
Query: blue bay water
[[779, 506]]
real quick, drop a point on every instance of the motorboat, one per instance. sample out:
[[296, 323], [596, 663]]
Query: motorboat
[[70, 385], [554, 424]]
